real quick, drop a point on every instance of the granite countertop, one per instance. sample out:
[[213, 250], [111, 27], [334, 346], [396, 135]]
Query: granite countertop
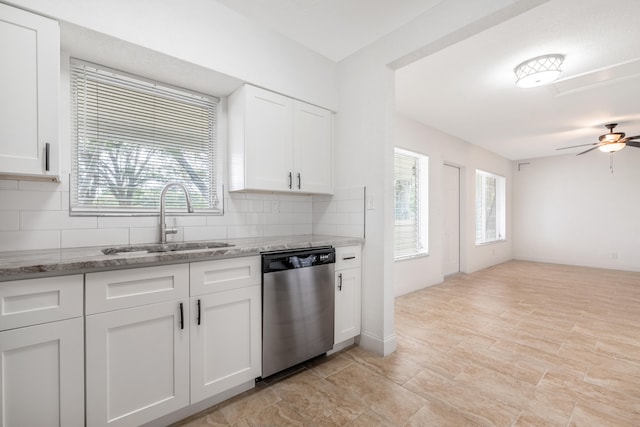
[[56, 262]]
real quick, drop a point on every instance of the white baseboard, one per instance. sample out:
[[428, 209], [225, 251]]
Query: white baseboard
[[377, 345]]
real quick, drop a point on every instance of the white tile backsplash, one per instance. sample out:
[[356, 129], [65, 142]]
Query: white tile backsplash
[[8, 184], [205, 233], [94, 237], [29, 200], [35, 215], [54, 220], [9, 220], [29, 240], [342, 214]]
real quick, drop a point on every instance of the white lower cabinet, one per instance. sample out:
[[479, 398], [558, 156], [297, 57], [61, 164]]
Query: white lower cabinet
[[41, 352], [347, 293], [137, 363], [146, 361], [42, 375], [225, 341]]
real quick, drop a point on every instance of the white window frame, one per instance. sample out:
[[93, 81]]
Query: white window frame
[[421, 216], [490, 227], [176, 205]]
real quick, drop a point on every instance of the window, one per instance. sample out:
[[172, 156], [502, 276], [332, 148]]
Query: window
[[490, 207], [131, 136], [411, 209]]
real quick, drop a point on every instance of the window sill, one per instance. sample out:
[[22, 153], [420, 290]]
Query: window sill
[[493, 242], [412, 256]]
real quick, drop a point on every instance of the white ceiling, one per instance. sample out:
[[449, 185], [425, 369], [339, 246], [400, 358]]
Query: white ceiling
[[467, 90], [333, 28]]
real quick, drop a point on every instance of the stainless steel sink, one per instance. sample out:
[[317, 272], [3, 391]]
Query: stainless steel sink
[[165, 247]]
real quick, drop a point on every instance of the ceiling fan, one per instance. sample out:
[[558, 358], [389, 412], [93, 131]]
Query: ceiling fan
[[610, 142]]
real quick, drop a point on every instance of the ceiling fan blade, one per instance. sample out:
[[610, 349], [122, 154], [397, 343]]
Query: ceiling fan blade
[[590, 149], [629, 138], [633, 144], [574, 146]]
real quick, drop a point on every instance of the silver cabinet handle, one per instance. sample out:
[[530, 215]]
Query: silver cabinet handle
[[299, 181], [348, 257], [290, 180], [339, 281]]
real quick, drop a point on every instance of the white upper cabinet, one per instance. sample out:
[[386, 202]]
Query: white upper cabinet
[[29, 92], [278, 144], [312, 151]]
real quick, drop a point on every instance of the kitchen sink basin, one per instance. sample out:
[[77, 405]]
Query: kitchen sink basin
[[165, 247]]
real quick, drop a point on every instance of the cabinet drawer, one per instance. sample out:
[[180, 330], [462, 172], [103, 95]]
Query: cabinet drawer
[[348, 257], [34, 301], [114, 290], [223, 274]]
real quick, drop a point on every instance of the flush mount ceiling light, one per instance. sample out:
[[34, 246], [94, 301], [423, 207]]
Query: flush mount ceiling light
[[538, 71]]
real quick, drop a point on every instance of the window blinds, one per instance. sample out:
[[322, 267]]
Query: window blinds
[[407, 205], [489, 207], [132, 136]]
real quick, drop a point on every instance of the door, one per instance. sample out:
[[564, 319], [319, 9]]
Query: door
[[451, 236], [225, 341], [312, 148], [42, 375], [29, 80], [347, 311], [268, 140], [137, 364]]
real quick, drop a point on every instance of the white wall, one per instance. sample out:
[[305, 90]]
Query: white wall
[[572, 210], [207, 34], [364, 139], [413, 274]]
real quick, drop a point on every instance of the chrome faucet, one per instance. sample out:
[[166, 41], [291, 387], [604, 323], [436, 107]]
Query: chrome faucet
[[163, 227]]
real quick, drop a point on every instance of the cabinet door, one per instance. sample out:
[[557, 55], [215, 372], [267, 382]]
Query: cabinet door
[[42, 375], [347, 314], [137, 363], [312, 156], [268, 140], [226, 341], [29, 81]]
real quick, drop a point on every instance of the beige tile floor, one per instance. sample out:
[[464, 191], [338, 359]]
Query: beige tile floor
[[518, 344]]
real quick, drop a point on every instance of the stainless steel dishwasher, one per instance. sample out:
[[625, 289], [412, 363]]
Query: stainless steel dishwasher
[[297, 306]]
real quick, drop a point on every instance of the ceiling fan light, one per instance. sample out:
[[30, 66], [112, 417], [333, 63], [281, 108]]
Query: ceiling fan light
[[611, 137], [538, 71], [612, 147]]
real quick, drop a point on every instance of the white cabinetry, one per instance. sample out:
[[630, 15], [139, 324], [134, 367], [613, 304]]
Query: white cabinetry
[[278, 144], [348, 293], [226, 329], [137, 355], [29, 86], [41, 352], [151, 350]]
